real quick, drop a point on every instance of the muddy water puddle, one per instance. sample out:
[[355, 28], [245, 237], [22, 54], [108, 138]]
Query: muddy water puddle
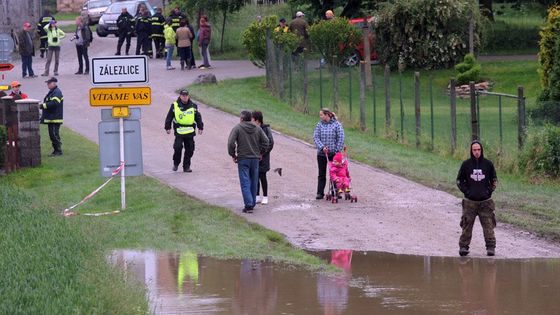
[[370, 283]]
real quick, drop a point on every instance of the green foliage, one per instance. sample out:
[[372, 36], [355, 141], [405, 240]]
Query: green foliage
[[420, 34], [335, 37], [546, 112], [3, 140], [254, 39], [501, 36], [287, 41], [541, 154], [548, 47], [469, 70]]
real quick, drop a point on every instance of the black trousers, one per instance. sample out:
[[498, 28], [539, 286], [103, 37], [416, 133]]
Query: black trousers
[[322, 178], [191, 61], [159, 43], [54, 134], [43, 46], [142, 42], [82, 51], [188, 143], [264, 182], [122, 38]]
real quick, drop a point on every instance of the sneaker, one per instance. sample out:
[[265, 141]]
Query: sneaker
[[44, 74], [319, 196], [463, 251], [33, 76], [170, 68], [259, 199], [175, 168], [490, 252], [264, 200], [202, 67], [247, 209]]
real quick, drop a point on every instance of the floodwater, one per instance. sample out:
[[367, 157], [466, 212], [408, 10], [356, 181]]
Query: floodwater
[[370, 283]]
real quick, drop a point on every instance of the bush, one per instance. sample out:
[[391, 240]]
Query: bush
[[336, 37], [546, 112], [469, 70], [548, 46], [541, 154], [3, 140], [500, 36], [420, 34]]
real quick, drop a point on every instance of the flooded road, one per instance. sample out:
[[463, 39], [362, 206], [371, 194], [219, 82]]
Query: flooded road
[[371, 283]]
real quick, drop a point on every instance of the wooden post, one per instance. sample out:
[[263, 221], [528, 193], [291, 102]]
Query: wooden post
[[367, 53], [474, 115], [363, 67], [521, 117], [417, 107], [453, 101], [387, 98]]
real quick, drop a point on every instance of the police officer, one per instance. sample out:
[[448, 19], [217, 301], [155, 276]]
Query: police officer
[[125, 23], [52, 114], [477, 180], [186, 118], [158, 21], [44, 21]]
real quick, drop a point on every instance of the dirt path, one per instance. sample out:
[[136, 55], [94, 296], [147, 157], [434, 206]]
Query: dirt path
[[393, 214]]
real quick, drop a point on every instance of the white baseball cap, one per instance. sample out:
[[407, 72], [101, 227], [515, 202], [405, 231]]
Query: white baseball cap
[[299, 13]]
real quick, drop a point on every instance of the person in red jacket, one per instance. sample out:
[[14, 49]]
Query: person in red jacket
[[16, 93]]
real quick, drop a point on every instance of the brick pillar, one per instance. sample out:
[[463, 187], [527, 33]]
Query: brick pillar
[[29, 137]]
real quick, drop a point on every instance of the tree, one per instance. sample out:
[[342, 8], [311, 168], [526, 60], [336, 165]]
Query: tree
[[350, 8], [486, 9]]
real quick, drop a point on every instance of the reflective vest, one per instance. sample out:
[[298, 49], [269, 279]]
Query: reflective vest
[[184, 119]]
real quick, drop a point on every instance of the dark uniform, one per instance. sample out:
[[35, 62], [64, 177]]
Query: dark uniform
[[52, 116], [143, 31], [125, 23], [176, 16], [44, 21], [158, 21], [186, 118], [477, 180]]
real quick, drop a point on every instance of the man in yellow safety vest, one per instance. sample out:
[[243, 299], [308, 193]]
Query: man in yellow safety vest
[[186, 119]]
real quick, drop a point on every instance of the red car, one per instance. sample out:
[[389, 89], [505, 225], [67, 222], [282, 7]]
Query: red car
[[358, 54]]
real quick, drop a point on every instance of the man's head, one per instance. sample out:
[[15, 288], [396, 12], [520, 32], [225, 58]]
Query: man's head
[[52, 82], [15, 86], [329, 14], [184, 96], [124, 10], [245, 115], [299, 14], [26, 26], [476, 149], [158, 10]]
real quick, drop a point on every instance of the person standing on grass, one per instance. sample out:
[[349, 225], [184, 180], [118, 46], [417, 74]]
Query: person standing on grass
[[26, 50], [52, 107], [170, 40], [54, 39], [204, 38], [186, 118], [477, 180], [247, 142], [329, 139], [264, 163]]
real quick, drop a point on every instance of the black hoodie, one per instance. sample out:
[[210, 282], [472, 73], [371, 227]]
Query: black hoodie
[[477, 177]]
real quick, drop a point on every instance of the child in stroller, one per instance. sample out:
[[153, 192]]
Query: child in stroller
[[339, 179]]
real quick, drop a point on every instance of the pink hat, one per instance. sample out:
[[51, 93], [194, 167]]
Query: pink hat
[[338, 157], [26, 24]]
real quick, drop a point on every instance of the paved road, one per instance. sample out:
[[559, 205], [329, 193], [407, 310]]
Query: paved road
[[393, 214]]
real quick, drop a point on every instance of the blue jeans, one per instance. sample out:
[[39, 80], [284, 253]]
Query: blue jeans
[[249, 180], [26, 62], [205, 54], [169, 54]]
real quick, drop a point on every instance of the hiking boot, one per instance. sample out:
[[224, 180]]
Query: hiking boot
[[175, 168], [264, 200], [463, 251], [490, 252]]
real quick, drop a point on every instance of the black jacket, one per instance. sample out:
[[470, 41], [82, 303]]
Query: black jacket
[[143, 25], [157, 21], [25, 43], [264, 164], [477, 177], [171, 118], [43, 21], [125, 23], [53, 107]]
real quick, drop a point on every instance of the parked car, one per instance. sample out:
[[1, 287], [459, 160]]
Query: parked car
[[359, 53], [108, 21], [93, 9]]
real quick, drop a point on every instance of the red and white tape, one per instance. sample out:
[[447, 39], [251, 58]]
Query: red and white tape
[[68, 211]]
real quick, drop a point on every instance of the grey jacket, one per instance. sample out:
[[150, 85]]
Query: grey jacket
[[247, 141]]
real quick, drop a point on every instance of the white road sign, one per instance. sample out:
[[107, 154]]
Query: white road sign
[[117, 70]]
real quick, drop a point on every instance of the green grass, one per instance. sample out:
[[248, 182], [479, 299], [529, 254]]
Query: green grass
[[533, 207], [56, 265], [66, 16]]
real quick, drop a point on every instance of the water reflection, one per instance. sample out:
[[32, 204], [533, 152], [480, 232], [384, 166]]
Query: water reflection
[[370, 283]]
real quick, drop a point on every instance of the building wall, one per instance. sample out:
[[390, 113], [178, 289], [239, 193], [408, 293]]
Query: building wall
[[13, 13]]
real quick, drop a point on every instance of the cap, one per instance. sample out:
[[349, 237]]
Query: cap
[[15, 83], [26, 24], [282, 20], [52, 22], [338, 157], [184, 92], [52, 79], [299, 13]]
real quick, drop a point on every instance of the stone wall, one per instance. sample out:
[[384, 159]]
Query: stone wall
[[69, 5], [13, 13]]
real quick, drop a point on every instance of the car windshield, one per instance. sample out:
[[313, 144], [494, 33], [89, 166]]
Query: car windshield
[[99, 4], [117, 7]]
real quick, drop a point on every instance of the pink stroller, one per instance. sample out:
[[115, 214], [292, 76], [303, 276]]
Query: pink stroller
[[339, 178]]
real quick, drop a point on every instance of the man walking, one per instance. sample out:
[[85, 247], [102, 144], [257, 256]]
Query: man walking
[[158, 21], [246, 144], [125, 24], [477, 180], [52, 114], [26, 51], [82, 37], [186, 118]]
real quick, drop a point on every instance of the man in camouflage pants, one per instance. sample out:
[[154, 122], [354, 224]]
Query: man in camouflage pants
[[477, 180]]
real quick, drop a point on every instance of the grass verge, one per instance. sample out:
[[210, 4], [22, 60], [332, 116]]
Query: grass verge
[[56, 265], [532, 207]]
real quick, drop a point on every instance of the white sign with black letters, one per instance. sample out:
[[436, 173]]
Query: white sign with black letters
[[119, 70]]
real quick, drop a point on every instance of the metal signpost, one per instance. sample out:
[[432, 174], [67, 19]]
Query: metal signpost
[[120, 70]]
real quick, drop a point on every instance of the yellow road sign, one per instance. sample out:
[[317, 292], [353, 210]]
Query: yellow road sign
[[120, 111], [120, 96]]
